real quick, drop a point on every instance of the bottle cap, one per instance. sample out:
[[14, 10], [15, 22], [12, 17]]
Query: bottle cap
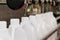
[[32, 16], [14, 21], [3, 24], [24, 19]]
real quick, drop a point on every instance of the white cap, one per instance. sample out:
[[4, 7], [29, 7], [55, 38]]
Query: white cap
[[49, 13], [31, 16], [14, 21], [3, 24], [24, 19]]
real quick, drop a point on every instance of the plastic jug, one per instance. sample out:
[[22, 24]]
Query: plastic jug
[[29, 29], [20, 34], [42, 28], [36, 25], [33, 21], [4, 34], [52, 25], [39, 26], [14, 23], [50, 22]]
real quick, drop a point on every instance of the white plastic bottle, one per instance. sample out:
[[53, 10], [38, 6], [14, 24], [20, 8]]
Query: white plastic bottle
[[33, 21], [51, 19], [29, 29], [4, 34], [39, 26], [20, 34], [3, 24], [42, 23], [50, 23], [14, 23]]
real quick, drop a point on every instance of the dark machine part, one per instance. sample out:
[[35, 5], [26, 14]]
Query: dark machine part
[[33, 1], [40, 2], [45, 6], [15, 4]]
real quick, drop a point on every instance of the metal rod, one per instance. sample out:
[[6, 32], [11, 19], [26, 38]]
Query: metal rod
[[50, 34]]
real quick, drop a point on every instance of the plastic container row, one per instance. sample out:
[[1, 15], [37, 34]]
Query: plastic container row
[[34, 27]]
